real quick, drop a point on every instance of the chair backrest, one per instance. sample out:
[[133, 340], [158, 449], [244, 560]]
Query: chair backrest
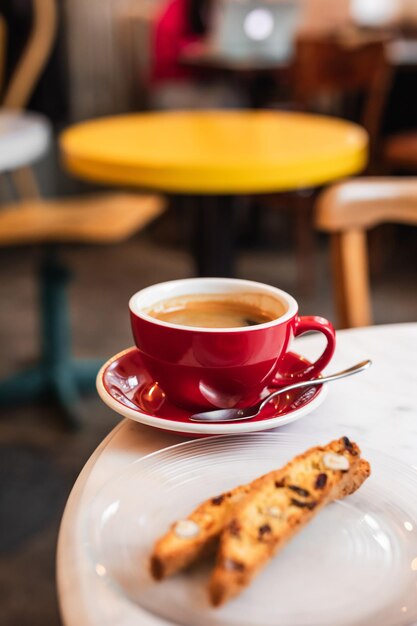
[[346, 211], [17, 93], [337, 66]]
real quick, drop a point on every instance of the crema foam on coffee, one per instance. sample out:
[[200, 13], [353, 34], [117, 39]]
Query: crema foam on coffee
[[227, 310]]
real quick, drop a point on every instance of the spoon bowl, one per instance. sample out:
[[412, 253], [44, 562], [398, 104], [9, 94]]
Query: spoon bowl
[[235, 415]]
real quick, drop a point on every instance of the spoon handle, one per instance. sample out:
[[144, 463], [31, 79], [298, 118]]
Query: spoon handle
[[359, 367]]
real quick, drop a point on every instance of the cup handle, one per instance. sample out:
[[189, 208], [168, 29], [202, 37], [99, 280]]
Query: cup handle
[[304, 324]]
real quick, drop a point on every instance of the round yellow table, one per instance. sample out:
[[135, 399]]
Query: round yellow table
[[217, 154]]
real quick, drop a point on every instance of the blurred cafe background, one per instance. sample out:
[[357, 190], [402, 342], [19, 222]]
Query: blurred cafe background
[[74, 248]]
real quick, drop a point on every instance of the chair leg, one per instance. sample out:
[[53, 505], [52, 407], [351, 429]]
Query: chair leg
[[25, 183], [351, 279], [338, 278]]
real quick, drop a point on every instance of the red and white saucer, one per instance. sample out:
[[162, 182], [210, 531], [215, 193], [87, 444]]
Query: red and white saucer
[[126, 387]]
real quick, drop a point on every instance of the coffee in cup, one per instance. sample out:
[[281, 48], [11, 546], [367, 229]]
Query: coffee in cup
[[222, 310]]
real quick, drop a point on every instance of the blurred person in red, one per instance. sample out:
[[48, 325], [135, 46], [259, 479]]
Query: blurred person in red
[[179, 24]]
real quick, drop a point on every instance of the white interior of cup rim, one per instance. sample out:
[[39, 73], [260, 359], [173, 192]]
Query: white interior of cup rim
[[150, 296]]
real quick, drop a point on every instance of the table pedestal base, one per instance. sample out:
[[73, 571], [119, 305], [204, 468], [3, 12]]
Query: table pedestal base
[[58, 373], [214, 235], [64, 384]]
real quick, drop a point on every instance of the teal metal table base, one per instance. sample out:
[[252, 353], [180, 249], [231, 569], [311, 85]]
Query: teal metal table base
[[57, 374]]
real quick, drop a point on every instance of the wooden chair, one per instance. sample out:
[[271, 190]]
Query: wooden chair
[[96, 219], [343, 75], [34, 57], [91, 219], [400, 152], [347, 211], [340, 71]]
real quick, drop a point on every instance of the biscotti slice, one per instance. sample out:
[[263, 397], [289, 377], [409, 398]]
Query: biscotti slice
[[277, 507], [195, 536]]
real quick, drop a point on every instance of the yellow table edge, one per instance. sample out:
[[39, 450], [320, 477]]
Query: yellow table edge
[[199, 182], [216, 179]]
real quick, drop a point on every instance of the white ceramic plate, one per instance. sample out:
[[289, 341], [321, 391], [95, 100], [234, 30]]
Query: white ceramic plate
[[354, 565]]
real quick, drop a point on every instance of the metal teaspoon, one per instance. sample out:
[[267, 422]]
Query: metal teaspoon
[[234, 415]]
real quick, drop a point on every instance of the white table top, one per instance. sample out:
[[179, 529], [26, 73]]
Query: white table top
[[24, 138], [377, 408]]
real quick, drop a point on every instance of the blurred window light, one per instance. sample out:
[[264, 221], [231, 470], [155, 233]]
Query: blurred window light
[[373, 12], [259, 24]]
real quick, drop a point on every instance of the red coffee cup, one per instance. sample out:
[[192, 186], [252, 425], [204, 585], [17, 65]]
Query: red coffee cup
[[203, 368]]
